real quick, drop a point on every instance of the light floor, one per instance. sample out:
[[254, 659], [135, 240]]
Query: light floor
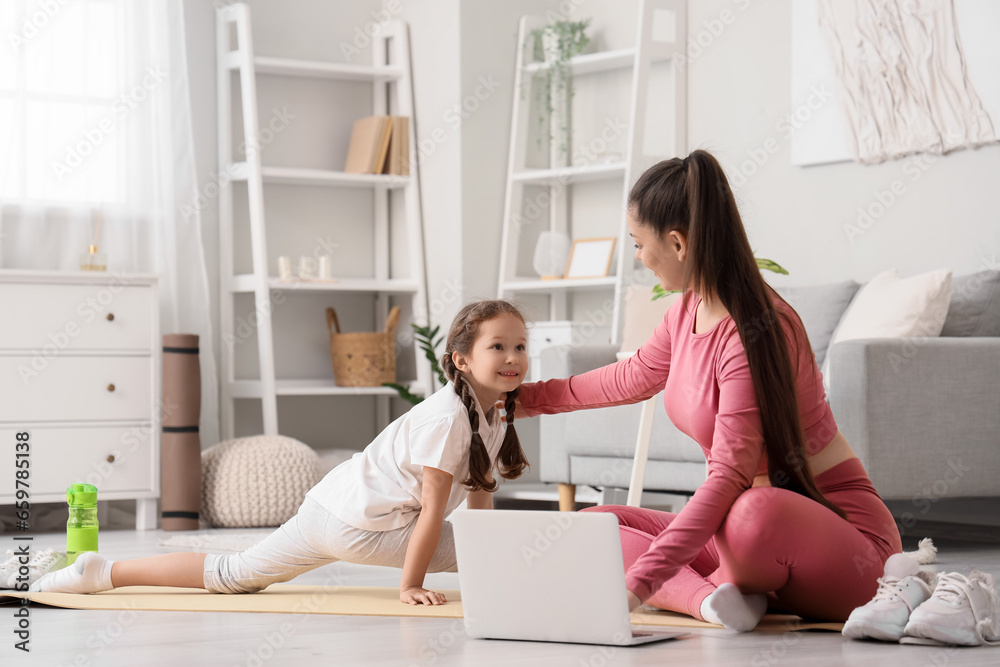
[[63, 637]]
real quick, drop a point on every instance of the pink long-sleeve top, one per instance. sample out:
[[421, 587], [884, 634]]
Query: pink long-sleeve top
[[709, 395]]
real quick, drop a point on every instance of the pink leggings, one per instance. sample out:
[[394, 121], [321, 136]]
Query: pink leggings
[[809, 560]]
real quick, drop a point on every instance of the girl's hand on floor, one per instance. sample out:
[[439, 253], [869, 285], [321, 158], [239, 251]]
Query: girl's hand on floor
[[418, 595]]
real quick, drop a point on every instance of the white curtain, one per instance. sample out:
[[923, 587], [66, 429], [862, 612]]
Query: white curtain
[[95, 130]]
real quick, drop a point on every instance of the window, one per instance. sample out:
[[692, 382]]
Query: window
[[64, 101]]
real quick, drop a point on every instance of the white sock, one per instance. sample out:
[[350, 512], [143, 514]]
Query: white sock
[[727, 606], [90, 573]]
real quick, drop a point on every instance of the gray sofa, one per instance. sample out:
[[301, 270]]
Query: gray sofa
[[922, 414]]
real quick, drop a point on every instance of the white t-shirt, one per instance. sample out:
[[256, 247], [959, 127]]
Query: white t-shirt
[[379, 488]]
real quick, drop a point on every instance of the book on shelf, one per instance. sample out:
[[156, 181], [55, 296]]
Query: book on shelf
[[398, 160], [379, 145]]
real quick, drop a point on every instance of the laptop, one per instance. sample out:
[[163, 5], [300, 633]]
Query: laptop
[[544, 576]]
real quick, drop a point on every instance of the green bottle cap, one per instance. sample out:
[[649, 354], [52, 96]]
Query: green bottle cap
[[82, 495]]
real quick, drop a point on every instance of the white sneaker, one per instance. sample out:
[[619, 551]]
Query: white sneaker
[[10, 566], [901, 589], [39, 563], [962, 610]]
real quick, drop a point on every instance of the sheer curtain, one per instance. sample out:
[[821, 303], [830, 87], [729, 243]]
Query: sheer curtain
[[95, 131]]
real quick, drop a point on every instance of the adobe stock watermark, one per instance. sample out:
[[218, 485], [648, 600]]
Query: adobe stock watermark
[[544, 538], [304, 611], [101, 640], [778, 649], [34, 23], [244, 327], [121, 108], [434, 648], [452, 118], [370, 31], [87, 311], [279, 121], [883, 199], [584, 155], [698, 42], [786, 126]]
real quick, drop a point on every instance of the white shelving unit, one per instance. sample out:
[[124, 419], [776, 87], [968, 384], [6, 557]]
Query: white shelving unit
[[660, 36], [391, 67]]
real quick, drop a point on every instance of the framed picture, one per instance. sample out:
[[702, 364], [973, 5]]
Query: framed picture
[[590, 258]]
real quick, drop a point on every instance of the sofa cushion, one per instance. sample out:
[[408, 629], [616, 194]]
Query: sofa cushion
[[889, 306], [975, 305], [820, 307]]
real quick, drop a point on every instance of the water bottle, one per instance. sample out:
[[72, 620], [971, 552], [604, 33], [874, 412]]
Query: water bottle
[[81, 529]]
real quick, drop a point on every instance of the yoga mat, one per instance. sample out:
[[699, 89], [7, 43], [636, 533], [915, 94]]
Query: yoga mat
[[343, 600], [180, 444]]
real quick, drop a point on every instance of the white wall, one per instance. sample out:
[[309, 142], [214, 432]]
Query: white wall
[[948, 215], [738, 94]]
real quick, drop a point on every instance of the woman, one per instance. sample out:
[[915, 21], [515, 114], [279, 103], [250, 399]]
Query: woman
[[787, 511]]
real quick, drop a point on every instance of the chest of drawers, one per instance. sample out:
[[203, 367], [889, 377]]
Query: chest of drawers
[[80, 373]]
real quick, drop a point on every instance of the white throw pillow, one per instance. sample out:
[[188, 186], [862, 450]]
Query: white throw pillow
[[889, 306]]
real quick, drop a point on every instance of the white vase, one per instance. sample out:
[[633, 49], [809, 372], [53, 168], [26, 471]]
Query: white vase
[[551, 254]]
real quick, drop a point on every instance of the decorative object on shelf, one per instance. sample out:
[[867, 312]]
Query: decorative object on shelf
[[285, 267], [395, 214], [397, 162], [551, 254], [307, 267], [770, 265], [180, 443], [555, 44], [92, 260], [380, 145], [932, 63], [426, 340], [590, 258], [256, 481], [365, 359], [325, 267]]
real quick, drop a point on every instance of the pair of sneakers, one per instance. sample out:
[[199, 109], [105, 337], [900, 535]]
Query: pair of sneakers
[[915, 606], [39, 563]]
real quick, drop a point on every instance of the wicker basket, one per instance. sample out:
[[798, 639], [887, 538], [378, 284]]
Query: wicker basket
[[363, 359]]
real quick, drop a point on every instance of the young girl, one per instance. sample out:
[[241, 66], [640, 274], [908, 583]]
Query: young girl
[[787, 513], [388, 505]]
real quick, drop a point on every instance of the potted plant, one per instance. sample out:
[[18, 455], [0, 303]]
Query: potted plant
[[555, 44], [425, 336], [770, 265]]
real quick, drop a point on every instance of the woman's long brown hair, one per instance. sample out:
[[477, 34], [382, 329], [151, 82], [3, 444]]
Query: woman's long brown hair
[[692, 196], [461, 337]]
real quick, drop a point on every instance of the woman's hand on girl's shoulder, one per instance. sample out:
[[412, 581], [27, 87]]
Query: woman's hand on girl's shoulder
[[418, 595]]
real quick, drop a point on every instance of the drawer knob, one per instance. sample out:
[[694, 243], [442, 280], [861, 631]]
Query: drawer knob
[[111, 317], [111, 387], [111, 458]]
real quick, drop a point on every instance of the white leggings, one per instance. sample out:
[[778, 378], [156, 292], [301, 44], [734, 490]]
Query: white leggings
[[311, 538]]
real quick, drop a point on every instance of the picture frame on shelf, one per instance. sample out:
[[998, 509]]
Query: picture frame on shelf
[[590, 258]]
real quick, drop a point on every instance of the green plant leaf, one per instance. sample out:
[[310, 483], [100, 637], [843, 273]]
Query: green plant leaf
[[404, 393], [571, 39], [762, 264], [770, 265], [659, 292], [425, 337]]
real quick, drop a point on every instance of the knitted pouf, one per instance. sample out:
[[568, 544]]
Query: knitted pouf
[[256, 481]]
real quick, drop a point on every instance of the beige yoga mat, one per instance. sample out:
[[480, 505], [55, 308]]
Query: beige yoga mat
[[342, 600]]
